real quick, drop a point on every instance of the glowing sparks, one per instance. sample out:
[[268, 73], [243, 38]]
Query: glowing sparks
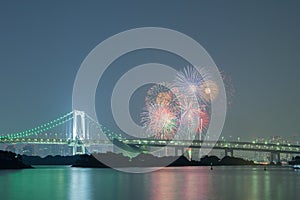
[[208, 91], [204, 120], [161, 94], [185, 103], [188, 81], [160, 121], [164, 98], [195, 92], [162, 112]]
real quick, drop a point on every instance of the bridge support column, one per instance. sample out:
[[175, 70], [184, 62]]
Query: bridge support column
[[79, 132], [78, 149], [275, 157], [227, 151], [176, 151], [196, 154]]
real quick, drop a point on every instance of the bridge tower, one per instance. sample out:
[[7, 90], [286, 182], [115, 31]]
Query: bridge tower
[[79, 132]]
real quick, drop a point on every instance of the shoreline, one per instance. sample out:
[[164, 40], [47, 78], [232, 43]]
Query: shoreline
[[11, 160]]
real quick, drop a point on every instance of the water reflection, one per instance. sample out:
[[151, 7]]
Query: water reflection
[[163, 184], [79, 184], [40, 183], [170, 183]]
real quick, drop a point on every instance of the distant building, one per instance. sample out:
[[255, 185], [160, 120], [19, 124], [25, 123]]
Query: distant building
[[28, 150], [11, 148]]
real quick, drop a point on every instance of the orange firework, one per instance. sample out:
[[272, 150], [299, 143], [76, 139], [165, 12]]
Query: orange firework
[[164, 98], [208, 91]]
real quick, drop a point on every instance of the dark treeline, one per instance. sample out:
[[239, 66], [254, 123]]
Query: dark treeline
[[295, 161], [148, 160], [9, 160]]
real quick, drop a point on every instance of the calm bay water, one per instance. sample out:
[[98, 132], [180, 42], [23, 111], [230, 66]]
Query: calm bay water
[[170, 183]]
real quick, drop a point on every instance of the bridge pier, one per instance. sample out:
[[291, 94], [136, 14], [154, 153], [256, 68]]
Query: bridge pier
[[196, 154], [78, 149], [275, 157], [227, 151]]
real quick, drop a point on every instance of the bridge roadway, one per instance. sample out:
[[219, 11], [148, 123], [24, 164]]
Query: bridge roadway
[[230, 145], [223, 145]]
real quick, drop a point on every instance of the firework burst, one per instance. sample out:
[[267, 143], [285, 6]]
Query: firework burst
[[181, 109], [189, 86], [208, 91], [160, 121], [162, 112], [194, 119], [204, 119], [187, 82], [189, 118], [161, 94]]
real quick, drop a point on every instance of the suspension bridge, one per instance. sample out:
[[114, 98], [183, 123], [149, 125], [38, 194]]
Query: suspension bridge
[[79, 131], [76, 129]]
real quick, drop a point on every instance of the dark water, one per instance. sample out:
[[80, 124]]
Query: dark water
[[45, 183]]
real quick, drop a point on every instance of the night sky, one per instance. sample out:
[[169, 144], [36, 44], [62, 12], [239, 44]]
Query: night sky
[[257, 44]]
